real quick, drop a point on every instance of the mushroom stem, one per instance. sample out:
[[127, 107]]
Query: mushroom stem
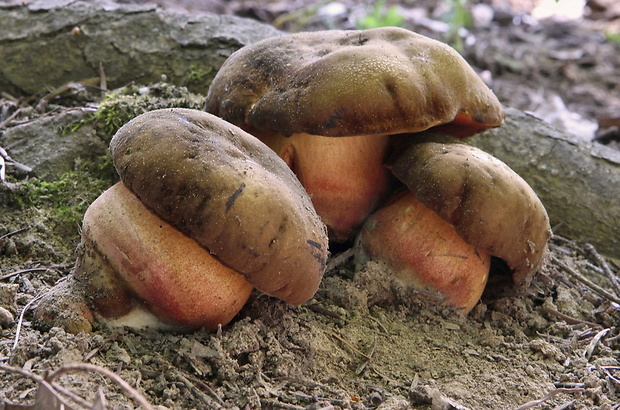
[[425, 251], [345, 177]]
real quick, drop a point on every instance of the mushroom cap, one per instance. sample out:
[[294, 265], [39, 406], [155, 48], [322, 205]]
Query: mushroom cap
[[341, 83], [229, 192], [489, 205]]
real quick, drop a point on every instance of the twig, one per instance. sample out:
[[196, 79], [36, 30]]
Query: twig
[[10, 161], [338, 260], [103, 82], [70, 394], [565, 406], [615, 281], [10, 118], [21, 320], [21, 372], [596, 288], [274, 404], [324, 311], [569, 319], [209, 390], [91, 354], [87, 82], [19, 272], [87, 367], [208, 401], [362, 367], [23, 167], [597, 338], [16, 143], [6, 235], [356, 350], [268, 385], [548, 396], [50, 385], [317, 399], [381, 325]]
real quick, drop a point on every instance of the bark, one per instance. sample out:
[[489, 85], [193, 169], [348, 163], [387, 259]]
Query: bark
[[577, 181], [50, 43]]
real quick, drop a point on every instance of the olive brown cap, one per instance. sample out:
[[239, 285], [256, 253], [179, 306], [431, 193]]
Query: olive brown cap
[[490, 206], [230, 193], [342, 83]]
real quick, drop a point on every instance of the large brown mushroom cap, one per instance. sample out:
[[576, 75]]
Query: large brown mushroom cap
[[229, 192], [340, 83], [490, 206]]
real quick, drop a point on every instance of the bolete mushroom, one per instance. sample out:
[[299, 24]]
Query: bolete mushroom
[[485, 209], [204, 213], [328, 102]]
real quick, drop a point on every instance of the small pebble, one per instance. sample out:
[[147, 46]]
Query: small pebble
[[6, 318]]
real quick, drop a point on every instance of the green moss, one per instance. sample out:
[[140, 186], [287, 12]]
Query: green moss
[[120, 106], [613, 36], [67, 198], [199, 75]]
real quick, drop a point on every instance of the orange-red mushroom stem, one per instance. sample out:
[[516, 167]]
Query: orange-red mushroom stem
[[179, 282], [345, 177], [425, 251]]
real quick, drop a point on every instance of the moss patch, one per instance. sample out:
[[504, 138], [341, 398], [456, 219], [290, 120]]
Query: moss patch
[[120, 106], [67, 198]]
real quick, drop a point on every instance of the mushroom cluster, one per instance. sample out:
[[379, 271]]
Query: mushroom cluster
[[203, 214], [329, 103], [339, 123], [345, 109]]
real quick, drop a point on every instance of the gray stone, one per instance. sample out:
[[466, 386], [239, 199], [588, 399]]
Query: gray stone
[[50, 147]]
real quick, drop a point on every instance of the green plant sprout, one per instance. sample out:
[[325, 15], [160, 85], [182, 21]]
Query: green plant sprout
[[614, 37], [381, 17], [457, 17]]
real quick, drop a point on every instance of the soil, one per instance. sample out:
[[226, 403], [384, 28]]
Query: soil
[[363, 341]]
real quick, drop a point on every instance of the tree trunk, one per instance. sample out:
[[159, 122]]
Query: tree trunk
[[48, 44]]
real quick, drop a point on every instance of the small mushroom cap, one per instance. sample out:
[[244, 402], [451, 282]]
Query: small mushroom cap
[[340, 83], [490, 206], [229, 192]]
